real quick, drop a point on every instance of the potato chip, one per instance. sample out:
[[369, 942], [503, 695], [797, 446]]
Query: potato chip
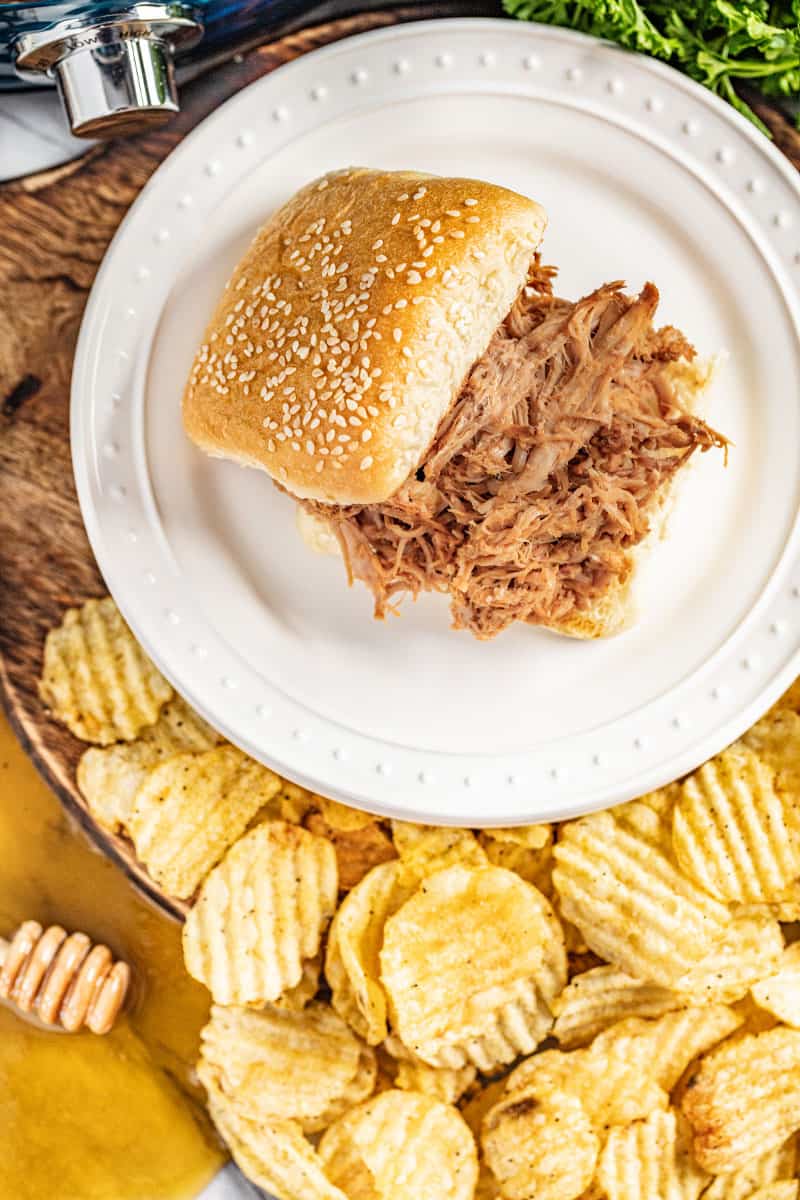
[[650, 1160], [96, 678], [630, 901], [306, 1066], [540, 1147], [776, 741], [730, 831], [744, 1098], [750, 949], [109, 778], [534, 865], [531, 837], [470, 964], [630, 1068], [358, 849], [486, 1188], [340, 816], [191, 808], [477, 1103], [779, 994], [789, 700], [775, 1165], [296, 998], [293, 802], [401, 1144], [442, 1083], [425, 849], [352, 965], [784, 1189], [597, 999], [274, 1155], [261, 913]]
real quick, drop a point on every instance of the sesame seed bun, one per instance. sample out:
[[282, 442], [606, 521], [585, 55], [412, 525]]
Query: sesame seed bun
[[346, 331]]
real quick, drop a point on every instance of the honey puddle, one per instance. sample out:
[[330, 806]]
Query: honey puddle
[[85, 1117]]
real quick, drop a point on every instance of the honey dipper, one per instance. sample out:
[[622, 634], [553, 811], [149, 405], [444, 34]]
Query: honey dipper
[[63, 979]]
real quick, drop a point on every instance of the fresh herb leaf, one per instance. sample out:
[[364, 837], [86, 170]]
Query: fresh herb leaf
[[717, 42]]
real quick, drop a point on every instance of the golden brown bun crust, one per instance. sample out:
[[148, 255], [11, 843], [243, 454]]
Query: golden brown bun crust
[[347, 330]]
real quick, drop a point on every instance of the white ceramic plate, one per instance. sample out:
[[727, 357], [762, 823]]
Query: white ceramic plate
[[643, 175]]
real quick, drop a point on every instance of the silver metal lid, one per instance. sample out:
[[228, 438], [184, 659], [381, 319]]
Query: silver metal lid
[[115, 75]]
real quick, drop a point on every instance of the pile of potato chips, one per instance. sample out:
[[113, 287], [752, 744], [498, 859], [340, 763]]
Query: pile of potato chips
[[608, 1008]]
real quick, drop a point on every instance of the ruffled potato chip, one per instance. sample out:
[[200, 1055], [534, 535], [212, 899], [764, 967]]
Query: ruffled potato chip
[[401, 1144], [261, 913], [631, 903], [531, 837], [109, 778], [597, 999], [269, 1065], [776, 741], [274, 1155], [469, 965], [540, 1147], [744, 1099], [296, 998], [730, 830], [629, 1069], [191, 808], [425, 849], [533, 864], [340, 816], [96, 678], [650, 1160], [352, 965], [783, 1189], [776, 1165], [293, 802], [479, 1100], [750, 949], [358, 848], [442, 1083], [779, 994]]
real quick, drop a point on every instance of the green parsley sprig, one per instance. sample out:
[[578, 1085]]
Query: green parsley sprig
[[717, 42]]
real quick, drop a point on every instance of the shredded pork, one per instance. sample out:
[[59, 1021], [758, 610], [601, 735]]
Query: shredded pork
[[545, 472]]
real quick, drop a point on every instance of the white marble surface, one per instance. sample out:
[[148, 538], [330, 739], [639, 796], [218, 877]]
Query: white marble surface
[[34, 134]]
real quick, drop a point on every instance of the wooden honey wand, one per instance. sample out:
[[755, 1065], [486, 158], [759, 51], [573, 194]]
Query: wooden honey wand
[[62, 978]]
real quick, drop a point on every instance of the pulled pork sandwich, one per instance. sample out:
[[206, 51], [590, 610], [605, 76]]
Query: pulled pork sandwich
[[391, 352]]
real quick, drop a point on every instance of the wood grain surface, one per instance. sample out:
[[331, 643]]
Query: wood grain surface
[[54, 230]]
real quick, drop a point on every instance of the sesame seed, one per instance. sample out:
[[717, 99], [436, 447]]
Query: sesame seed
[[473, 220], [438, 239], [418, 300], [366, 435], [401, 303], [456, 233], [397, 334], [396, 218], [414, 277], [378, 244], [366, 462], [403, 197], [470, 203]]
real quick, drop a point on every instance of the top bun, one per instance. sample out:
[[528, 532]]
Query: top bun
[[348, 328]]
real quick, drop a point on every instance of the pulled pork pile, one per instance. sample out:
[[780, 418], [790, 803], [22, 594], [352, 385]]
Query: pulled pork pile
[[544, 473]]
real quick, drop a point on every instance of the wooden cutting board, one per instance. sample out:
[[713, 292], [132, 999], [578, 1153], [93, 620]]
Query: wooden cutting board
[[54, 230]]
